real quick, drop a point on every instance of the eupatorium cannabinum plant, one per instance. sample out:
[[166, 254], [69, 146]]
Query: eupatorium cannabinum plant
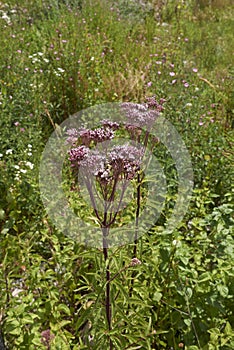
[[107, 169]]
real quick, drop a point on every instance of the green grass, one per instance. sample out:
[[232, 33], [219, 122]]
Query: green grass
[[58, 58]]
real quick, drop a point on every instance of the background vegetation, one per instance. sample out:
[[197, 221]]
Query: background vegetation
[[58, 57]]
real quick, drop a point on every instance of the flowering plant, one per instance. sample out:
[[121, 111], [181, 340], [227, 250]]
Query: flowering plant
[[107, 169]]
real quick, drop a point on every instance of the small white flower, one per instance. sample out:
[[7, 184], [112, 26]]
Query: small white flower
[[174, 242], [92, 58], [34, 60], [9, 151], [1, 155], [29, 164], [16, 291], [6, 18], [61, 70], [29, 145], [188, 104], [29, 153], [23, 171], [16, 166], [40, 53]]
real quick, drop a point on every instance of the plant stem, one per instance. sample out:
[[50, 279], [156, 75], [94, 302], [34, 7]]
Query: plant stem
[[107, 298], [137, 214], [135, 237]]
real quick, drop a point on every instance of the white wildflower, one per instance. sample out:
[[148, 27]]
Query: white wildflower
[[23, 171], [29, 164], [9, 151], [16, 291], [5, 17]]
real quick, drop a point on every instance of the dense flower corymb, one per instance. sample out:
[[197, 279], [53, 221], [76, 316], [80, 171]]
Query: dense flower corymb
[[73, 135], [125, 159], [85, 136], [109, 124], [142, 115], [76, 155], [120, 160]]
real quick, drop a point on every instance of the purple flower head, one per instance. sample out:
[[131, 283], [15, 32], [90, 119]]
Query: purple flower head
[[47, 337], [135, 262], [109, 124], [121, 162], [97, 135], [86, 136], [72, 136], [162, 100], [102, 134], [125, 160], [76, 155], [153, 104], [92, 161], [139, 114], [133, 130], [103, 173]]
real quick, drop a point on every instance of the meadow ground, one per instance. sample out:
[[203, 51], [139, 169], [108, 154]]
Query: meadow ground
[[61, 57]]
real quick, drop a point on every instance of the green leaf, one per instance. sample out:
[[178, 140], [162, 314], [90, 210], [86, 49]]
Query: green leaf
[[204, 277], [228, 329], [157, 296], [64, 308], [223, 290], [189, 292], [187, 321]]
